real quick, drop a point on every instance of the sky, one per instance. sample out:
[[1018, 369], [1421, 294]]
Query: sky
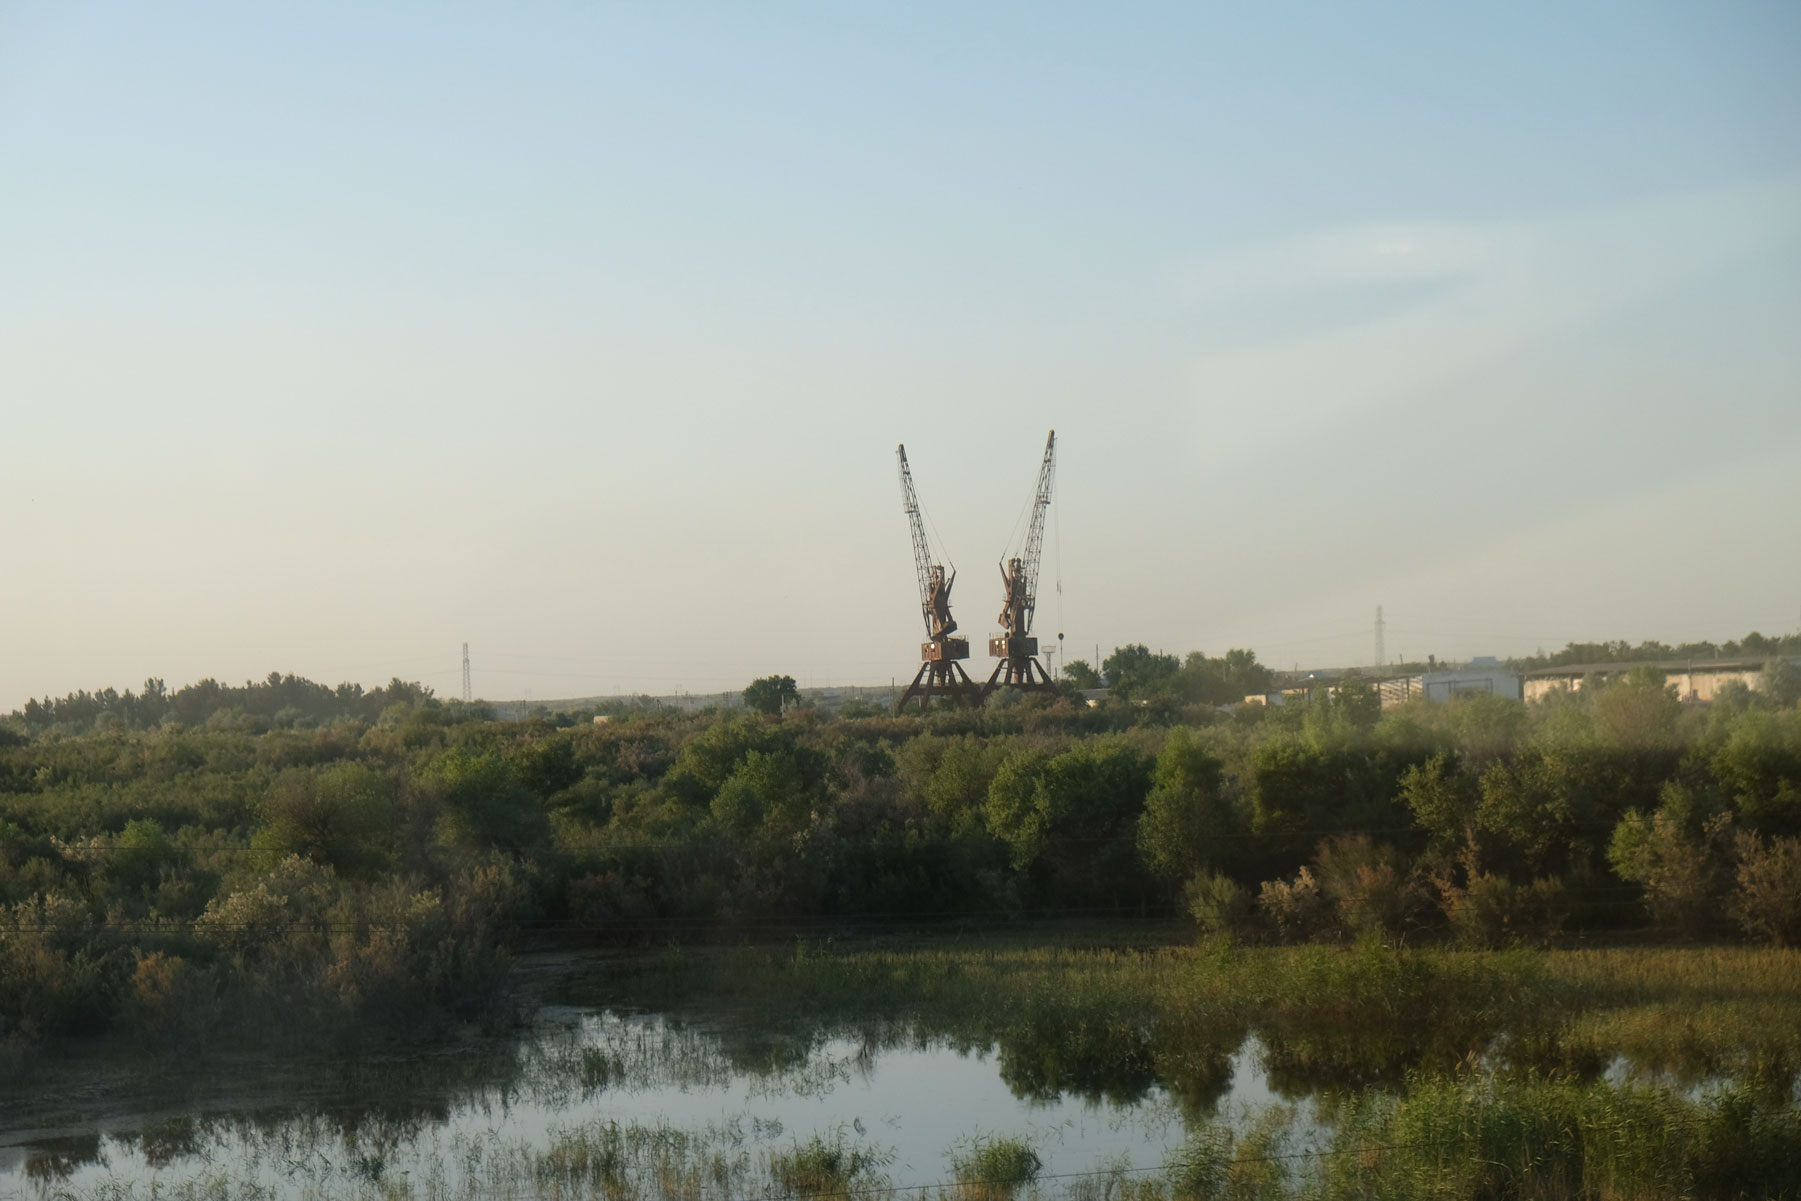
[[334, 336]]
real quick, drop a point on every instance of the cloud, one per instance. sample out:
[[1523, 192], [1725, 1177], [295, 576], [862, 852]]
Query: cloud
[[1364, 254], [1354, 319]]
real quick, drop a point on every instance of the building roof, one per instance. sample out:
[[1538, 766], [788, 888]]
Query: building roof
[[1685, 666]]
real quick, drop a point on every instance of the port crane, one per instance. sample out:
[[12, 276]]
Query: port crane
[[940, 670], [1016, 648]]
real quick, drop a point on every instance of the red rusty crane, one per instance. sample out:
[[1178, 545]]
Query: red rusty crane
[[940, 673], [1016, 649]]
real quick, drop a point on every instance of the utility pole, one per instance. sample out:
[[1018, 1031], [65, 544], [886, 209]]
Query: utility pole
[[467, 695]]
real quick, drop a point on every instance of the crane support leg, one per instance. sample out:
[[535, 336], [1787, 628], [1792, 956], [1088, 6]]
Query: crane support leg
[[943, 677], [1027, 675]]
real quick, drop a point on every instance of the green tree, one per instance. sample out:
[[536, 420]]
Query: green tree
[[1759, 766], [140, 854], [1070, 817], [340, 816], [1225, 680], [772, 694], [1136, 672], [772, 793], [1781, 682], [957, 789], [1188, 823], [485, 803], [1078, 675], [1677, 855]]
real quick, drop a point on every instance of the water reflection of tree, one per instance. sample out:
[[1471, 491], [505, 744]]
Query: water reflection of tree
[[165, 1142], [1041, 1059], [49, 1160]]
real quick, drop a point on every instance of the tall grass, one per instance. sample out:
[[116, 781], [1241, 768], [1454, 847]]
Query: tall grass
[[995, 1169], [1472, 1135], [1327, 1016]]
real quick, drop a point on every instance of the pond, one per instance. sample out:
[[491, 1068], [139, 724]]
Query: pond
[[617, 1086]]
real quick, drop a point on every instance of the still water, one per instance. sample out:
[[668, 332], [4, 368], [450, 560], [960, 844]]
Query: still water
[[620, 1089], [727, 1088]]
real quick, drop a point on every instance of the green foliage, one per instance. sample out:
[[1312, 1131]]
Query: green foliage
[[1494, 1136], [246, 843], [341, 816], [1135, 672], [484, 803], [1219, 905], [1759, 764], [1678, 856], [1188, 824], [1069, 817], [1781, 682], [771, 694], [1079, 675], [1493, 911]]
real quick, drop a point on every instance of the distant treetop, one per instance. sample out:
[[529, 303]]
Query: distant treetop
[[1751, 644]]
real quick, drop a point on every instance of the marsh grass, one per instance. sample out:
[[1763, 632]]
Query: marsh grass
[[1428, 1074], [1474, 1134], [1328, 1017], [833, 1166], [993, 1169], [1490, 1136]]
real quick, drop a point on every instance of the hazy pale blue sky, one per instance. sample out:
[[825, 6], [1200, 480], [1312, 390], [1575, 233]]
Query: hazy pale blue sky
[[335, 335]]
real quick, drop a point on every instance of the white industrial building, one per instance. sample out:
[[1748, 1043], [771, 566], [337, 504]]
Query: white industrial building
[[1485, 676]]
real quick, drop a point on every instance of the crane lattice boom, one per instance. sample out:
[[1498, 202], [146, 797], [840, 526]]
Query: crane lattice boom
[[922, 550], [1034, 549]]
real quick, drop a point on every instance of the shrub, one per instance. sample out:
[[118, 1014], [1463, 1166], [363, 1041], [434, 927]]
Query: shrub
[[1218, 905], [167, 997], [1493, 911], [1366, 884], [1767, 901], [1678, 860], [1295, 908]]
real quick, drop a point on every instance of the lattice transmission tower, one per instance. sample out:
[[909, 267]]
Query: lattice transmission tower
[[467, 695], [1381, 628]]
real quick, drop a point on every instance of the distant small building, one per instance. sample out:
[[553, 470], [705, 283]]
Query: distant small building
[[1694, 680], [1484, 676]]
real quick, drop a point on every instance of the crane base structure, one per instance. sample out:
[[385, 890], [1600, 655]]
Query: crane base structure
[[1018, 667], [940, 674]]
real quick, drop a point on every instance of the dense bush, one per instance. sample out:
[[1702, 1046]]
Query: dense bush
[[367, 858]]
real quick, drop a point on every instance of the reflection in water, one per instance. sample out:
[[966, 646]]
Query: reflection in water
[[55, 1159], [713, 1097]]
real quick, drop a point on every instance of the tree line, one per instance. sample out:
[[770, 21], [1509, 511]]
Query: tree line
[[369, 862]]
